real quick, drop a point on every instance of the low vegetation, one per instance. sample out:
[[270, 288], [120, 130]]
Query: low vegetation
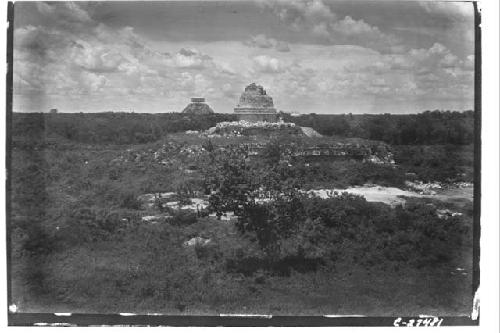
[[79, 243]]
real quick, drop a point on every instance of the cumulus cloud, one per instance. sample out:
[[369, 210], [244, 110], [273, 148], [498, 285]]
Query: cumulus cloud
[[102, 61], [456, 10], [64, 12], [436, 57], [318, 19], [431, 73], [349, 26], [260, 41], [267, 64], [192, 58], [282, 46], [300, 14], [92, 58], [264, 42]]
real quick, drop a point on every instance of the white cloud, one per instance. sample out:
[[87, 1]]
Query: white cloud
[[321, 30], [349, 27], [101, 64], [192, 58], [267, 64], [318, 19], [100, 61], [300, 14], [68, 15], [282, 46], [454, 9], [93, 82], [264, 42], [94, 59], [260, 41]]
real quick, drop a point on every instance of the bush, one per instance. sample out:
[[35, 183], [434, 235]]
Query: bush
[[129, 201], [349, 227], [272, 222], [183, 218], [437, 163], [89, 224], [208, 251]]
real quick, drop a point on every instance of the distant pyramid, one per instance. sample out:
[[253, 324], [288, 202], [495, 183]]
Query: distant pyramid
[[197, 106]]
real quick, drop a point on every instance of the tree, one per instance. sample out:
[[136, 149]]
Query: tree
[[273, 222], [229, 176]]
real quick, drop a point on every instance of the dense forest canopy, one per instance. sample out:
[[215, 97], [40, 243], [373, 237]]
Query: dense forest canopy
[[427, 128], [110, 127]]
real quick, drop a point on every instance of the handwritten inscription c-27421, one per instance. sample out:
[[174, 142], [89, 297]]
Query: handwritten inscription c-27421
[[418, 322]]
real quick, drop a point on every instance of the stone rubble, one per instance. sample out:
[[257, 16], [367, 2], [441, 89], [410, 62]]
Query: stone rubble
[[424, 188], [200, 241], [446, 214], [155, 218], [168, 200]]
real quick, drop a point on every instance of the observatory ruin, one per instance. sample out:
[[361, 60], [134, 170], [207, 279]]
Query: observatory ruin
[[256, 105]]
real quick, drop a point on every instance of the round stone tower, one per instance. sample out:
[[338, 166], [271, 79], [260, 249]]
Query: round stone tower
[[256, 105]]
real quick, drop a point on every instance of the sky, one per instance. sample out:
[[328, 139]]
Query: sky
[[311, 55]]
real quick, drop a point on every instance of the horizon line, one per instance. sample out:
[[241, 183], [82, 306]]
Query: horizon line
[[229, 113]]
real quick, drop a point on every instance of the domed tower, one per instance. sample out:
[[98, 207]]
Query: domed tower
[[256, 105]]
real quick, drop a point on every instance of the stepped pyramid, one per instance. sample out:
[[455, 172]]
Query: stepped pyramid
[[197, 106]]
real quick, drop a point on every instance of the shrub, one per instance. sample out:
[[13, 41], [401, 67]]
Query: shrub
[[183, 218], [89, 224], [349, 227], [129, 200], [208, 251], [258, 220]]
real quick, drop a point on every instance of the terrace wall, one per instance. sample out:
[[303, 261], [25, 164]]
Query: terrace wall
[[269, 117]]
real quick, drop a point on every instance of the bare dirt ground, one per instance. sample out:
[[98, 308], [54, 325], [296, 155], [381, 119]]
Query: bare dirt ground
[[394, 196]]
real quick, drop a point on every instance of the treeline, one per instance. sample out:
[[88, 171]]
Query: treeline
[[443, 163], [109, 127], [427, 128]]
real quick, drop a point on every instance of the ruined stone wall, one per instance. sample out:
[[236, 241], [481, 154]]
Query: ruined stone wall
[[269, 117], [270, 131], [251, 99]]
